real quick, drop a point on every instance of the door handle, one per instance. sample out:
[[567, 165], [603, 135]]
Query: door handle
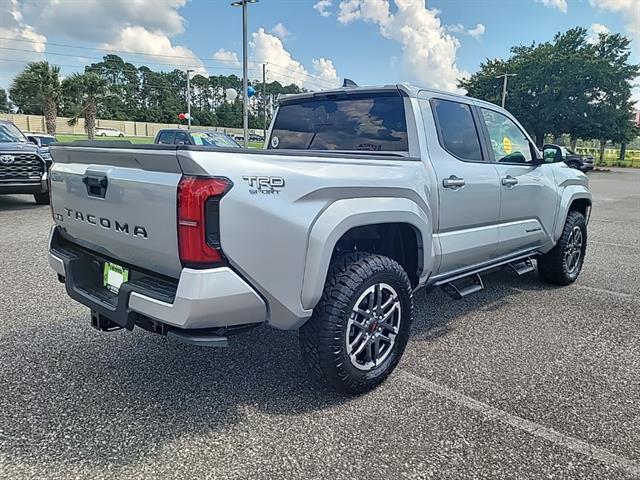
[[453, 182], [509, 181], [96, 184]]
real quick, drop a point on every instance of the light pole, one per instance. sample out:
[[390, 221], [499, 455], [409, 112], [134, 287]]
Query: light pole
[[245, 68], [504, 85], [188, 99]]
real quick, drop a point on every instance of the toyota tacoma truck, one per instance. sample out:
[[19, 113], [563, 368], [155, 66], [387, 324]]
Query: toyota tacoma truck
[[360, 197], [22, 166]]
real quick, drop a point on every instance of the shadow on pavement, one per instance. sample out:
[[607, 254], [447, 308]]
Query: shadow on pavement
[[435, 311], [72, 394], [18, 202]]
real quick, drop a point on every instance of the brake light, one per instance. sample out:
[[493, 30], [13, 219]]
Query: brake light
[[199, 220]]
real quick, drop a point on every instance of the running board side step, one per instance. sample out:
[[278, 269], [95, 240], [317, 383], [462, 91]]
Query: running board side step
[[462, 287], [521, 267]]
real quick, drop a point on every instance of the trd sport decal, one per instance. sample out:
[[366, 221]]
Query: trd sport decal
[[264, 185]]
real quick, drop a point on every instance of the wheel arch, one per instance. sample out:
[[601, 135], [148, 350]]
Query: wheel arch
[[392, 224], [574, 198]]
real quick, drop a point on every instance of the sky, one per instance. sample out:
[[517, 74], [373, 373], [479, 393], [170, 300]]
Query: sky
[[313, 43]]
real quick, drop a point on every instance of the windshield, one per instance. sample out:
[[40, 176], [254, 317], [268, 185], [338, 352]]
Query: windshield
[[46, 141], [213, 139], [366, 122], [9, 133]]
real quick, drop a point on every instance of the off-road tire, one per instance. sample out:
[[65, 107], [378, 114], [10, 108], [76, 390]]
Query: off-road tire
[[552, 267], [42, 198], [322, 338]]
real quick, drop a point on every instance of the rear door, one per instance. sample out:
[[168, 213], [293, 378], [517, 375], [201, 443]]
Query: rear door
[[528, 190], [468, 189], [121, 203]]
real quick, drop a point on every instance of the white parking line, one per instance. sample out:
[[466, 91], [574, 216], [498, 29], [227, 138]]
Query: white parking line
[[627, 296], [545, 433], [615, 244]]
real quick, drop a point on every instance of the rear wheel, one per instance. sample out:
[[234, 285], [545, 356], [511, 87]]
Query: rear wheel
[[360, 328], [562, 265], [41, 198]]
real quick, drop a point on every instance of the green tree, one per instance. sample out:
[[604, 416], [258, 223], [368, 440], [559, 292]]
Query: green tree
[[123, 83], [5, 105], [37, 89], [85, 91], [565, 86]]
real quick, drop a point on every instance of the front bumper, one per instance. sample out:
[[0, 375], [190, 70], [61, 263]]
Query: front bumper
[[199, 299], [37, 186]]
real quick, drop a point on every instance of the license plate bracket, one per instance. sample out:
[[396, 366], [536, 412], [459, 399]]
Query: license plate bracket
[[114, 276]]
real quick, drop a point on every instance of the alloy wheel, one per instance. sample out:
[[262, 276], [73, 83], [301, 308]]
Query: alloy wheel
[[373, 326], [573, 250]]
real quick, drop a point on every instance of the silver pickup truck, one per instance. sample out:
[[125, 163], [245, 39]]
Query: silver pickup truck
[[360, 197]]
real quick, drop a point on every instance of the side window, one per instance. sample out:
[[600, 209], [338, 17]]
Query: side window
[[166, 138], [508, 143], [182, 138], [457, 130]]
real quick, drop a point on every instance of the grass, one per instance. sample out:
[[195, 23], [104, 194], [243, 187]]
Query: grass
[[73, 138], [142, 140]]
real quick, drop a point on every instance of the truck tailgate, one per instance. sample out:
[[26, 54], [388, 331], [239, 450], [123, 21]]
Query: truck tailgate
[[120, 203]]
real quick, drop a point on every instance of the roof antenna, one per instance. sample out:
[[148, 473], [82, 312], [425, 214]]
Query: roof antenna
[[348, 83]]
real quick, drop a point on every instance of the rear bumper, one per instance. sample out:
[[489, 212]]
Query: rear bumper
[[199, 299]]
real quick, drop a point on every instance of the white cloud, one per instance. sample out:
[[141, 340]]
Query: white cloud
[[325, 70], [594, 32], [557, 4], [428, 51], [102, 21], [281, 32], [139, 39], [323, 6], [16, 34], [628, 9], [229, 58], [282, 67], [477, 31]]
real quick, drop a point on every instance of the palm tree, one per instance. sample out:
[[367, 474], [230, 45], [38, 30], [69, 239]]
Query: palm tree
[[85, 90], [40, 83]]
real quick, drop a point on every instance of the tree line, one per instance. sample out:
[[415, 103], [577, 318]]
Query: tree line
[[118, 90], [573, 85]]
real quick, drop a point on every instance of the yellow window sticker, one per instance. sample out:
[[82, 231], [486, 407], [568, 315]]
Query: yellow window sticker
[[506, 145]]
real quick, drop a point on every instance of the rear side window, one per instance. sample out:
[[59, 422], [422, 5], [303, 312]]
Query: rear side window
[[182, 139], [166, 138], [367, 122], [457, 130]]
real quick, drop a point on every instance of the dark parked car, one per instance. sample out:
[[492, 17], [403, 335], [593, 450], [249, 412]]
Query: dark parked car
[[44, 141], [574, 160], [206, 138], [22, 168]]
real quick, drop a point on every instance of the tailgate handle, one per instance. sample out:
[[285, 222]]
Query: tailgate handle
[[96, 185]]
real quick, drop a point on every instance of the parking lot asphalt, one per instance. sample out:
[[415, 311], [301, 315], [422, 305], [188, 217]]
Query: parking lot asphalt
[[521, 380]]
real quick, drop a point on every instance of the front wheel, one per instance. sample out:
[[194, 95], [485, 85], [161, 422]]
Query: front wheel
[[42, 198], [360, 328], [562, 265]]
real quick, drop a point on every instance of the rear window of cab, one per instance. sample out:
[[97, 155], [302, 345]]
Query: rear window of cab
[[368, 122]]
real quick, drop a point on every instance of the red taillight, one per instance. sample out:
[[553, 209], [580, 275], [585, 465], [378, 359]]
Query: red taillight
[[194, 228]]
